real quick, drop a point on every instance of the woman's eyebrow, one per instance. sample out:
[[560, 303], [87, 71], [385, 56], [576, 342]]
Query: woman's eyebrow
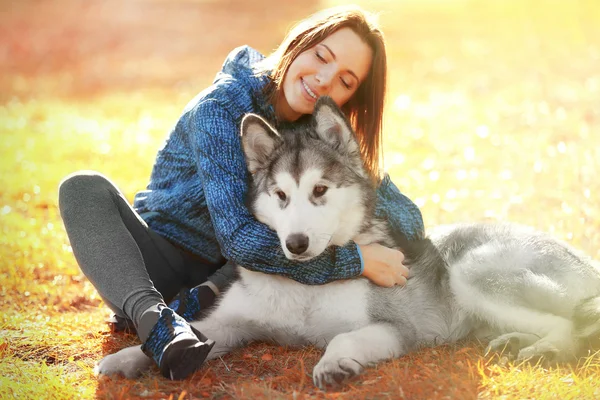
[[334, 58]]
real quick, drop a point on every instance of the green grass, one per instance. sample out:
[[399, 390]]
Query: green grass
[[43, 380], [492, 115]]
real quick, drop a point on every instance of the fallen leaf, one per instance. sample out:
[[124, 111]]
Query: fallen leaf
[[370, 381], [206, 381]]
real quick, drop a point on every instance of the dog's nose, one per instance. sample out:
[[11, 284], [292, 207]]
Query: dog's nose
[[297, 243]]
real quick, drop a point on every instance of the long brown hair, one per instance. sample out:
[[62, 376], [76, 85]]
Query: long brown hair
[[365, 107]]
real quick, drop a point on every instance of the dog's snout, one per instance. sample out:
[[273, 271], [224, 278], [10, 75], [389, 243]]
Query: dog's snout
[[297, 243]]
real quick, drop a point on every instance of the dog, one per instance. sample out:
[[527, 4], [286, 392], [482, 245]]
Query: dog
[[505, 284]]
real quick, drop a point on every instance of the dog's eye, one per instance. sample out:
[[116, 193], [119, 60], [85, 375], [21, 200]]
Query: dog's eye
[[319, 190], [281, 195]]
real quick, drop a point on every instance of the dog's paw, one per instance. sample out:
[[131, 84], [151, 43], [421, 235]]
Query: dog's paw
[[130, 363], [542, 353], [334, 372], [511, 343]]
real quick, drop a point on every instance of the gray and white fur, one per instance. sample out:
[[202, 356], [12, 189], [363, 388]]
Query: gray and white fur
[[508, 284]]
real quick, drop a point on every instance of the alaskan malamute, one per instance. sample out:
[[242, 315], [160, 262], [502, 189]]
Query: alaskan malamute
[[515, 286]]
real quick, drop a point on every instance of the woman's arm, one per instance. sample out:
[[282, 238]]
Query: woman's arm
[[403, 216]]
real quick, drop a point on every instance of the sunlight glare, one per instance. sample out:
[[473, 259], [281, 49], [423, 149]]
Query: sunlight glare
[[402, 102], [469, 153], [461, 175], [482, 131]]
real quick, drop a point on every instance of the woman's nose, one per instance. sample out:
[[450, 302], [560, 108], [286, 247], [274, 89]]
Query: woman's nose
[[324, 79]]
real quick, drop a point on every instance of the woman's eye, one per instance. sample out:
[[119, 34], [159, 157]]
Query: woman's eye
[[281, 195], [346, 85], [319, 190], [320, 57]]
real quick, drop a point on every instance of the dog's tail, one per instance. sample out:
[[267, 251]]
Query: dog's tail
[[586, 319]]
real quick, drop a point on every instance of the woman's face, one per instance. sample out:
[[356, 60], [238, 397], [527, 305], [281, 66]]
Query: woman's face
[[335, 67]]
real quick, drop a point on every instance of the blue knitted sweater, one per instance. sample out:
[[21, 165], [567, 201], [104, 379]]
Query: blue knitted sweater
[[197, 189]]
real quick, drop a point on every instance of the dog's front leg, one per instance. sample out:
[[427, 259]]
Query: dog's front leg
[[227, 336], [130, 362], [348, 353]]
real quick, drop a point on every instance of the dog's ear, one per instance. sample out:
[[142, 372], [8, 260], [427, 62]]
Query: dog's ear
[[259, 139], [332, 125]]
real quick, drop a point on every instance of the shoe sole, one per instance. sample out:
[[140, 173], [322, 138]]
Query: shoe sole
[[190, 359]]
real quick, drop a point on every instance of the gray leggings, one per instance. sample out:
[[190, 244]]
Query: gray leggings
[[132, 267]]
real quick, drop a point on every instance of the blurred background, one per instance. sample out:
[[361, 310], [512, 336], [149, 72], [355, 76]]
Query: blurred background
[[490, 103], [74, 47], [493, 114], [493, 107]]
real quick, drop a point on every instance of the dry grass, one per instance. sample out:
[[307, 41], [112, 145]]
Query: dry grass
[[493, 114]]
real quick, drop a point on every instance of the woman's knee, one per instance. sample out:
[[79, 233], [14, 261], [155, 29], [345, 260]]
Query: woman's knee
[[82, 185]]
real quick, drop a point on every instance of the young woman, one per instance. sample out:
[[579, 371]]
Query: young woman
[[191, 227]]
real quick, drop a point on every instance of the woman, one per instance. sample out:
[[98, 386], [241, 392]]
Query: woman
[[191, 226]]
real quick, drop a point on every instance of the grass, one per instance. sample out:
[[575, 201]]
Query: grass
[[492, 115]]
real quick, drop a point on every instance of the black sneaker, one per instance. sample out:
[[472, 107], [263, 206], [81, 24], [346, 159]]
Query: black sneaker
[[192, 304], [178, 349]]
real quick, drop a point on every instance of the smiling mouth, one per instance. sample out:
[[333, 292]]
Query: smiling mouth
[[310, 92]]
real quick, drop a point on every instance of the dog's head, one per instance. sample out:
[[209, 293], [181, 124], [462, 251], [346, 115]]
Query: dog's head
[[309, 183]]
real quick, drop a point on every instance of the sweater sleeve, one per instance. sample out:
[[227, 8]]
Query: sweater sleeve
[[403, 216], [212, 133]]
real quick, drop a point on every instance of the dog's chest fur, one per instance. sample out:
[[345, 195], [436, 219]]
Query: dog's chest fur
[[291, 313]]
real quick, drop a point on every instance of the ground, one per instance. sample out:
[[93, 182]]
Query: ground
[[493, 113]]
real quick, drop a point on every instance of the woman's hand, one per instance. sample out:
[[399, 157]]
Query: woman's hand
[[383, 266]]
